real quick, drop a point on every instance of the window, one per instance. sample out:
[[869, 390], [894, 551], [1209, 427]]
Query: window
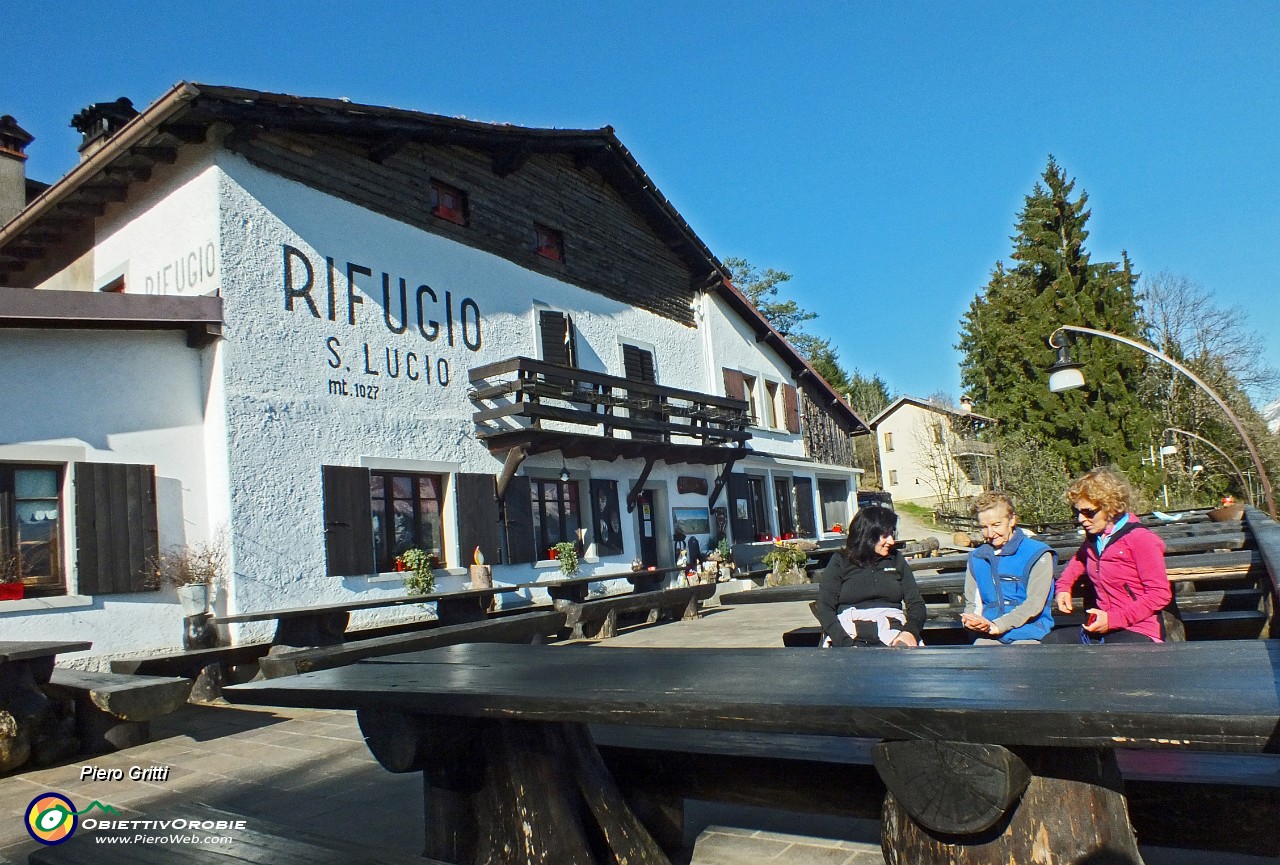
[[893, 477], [31, 525], [834, 499], [888, 442], [406, 515], [756, 503], [937, 433], [806, 521], [557, 515], [548, 243], [753, 410], [559, 339], [448, 202], [783, 507], [770, 405]]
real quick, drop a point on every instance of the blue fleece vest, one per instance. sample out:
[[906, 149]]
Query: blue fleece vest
[[1002, 583]]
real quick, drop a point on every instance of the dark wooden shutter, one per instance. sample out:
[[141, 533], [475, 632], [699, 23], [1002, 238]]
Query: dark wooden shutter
[[735, 386], [791, 401], [558, 338], [805, 516], [478, 522], [518, 508], [348, 521], [117, 536], [637, 364], [744, 530]]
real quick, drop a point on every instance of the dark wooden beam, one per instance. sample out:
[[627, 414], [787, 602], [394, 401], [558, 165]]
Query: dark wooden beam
[[191, 133], [83, 207], [634, 493], [167, 155], [20, 253], [104, 191], [721, 481], [510, 466], [387, 148], [509, 160]]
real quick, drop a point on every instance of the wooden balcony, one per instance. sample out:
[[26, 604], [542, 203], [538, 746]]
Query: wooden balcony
[[540, 407]]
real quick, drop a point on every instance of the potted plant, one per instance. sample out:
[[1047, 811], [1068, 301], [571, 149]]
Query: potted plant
[[419, 571], [566, 554], [11, 586], [787, 559], [725, 553], [194, 571]]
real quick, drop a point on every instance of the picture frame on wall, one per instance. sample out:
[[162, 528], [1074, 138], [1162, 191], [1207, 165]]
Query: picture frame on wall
[[691, 521]]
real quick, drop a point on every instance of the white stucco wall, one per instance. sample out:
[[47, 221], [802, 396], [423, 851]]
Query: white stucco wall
[[107, 396]]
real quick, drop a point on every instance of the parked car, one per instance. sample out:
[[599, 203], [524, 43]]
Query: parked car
[[877, 498]]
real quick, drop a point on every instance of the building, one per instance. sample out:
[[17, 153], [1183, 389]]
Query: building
[[931, 454], [317, 333]]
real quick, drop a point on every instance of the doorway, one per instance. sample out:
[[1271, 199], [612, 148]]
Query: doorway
[[647, 528]]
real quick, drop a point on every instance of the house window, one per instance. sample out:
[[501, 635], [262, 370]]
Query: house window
[[30, 525], [888, 442], [448, 202], [893, 477], [559, 339], [753, 409], [557, 515], [548, 242], [770, 406], [406, 515], [784, 508], [756, 503], [834, 499], [937, 433]]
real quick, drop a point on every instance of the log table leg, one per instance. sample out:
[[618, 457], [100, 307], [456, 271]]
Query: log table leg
[[511, 792], [967, 804], [305, 632]]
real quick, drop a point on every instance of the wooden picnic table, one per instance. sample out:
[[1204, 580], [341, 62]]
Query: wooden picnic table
[[970, 732], [576, 589], [326, 624], [26, 666]]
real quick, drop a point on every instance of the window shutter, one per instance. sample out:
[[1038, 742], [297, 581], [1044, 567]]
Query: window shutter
[[735, 387], [744, 530], [791, 402], [478, 523], [348, 521], [559, 340], [637, 364], [518, 508], [117, 535]]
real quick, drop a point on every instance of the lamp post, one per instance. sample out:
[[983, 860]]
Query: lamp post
[[1065, 374], [1235, 468]]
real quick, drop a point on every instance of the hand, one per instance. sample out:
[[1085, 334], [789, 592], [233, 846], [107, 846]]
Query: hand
[[1098, 622], [1064, 602], [906, 639], [977, 623]]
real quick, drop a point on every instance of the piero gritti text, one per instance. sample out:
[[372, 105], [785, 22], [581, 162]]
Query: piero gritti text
[[133, 773]]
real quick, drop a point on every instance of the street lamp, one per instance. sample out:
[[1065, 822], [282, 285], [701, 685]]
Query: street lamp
[[1065, 374], [1171, 448]]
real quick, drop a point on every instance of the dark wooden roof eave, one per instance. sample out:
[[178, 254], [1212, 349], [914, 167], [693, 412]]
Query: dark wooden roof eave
[[200, 317]]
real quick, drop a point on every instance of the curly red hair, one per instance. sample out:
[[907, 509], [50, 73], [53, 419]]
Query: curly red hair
[[1105, 487]]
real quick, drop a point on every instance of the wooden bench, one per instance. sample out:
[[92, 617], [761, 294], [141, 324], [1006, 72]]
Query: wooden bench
[[30, 728], [1233, 796], [113, 710], [533, 627], [250, 840], [326, 624], [209, 669], [577, 589], [969, 734], [598, 619]]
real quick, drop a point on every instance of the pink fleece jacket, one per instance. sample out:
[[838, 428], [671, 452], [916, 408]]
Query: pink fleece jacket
[[1129, 579]]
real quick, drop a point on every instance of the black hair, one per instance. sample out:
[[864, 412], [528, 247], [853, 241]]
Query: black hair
[[869, 525]]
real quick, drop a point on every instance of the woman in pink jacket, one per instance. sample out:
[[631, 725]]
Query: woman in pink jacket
[[1123, 562]]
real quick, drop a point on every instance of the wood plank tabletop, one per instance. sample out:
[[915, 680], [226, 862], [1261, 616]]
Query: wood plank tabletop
[[1221, 696], [22, 650]]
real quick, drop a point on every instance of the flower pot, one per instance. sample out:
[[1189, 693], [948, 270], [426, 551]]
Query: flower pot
[[194, 599], [12, 591]]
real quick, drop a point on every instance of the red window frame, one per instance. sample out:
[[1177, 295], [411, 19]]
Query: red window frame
[[448, 202], [548, 243]]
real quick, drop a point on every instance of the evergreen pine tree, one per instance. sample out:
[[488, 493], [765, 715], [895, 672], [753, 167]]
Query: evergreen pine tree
[[1004, 337]]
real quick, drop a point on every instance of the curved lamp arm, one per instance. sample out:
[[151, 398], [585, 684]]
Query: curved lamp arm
[[1146, 349], [1239, 474]]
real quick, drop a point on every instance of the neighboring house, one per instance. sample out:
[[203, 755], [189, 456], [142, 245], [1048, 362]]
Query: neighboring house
[[322, 333], [931, 454]]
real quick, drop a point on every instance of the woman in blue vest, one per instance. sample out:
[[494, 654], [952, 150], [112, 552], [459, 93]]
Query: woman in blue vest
[[1008, 588]]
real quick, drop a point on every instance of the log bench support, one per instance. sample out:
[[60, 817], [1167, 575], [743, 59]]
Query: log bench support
[[113, 710], [966, 804], [477, 775], [598, 619]]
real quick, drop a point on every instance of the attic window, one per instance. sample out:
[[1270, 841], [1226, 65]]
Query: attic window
[[448, 202], [548, 242]]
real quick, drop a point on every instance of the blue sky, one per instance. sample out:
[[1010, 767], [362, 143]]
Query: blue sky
[[879, 151]]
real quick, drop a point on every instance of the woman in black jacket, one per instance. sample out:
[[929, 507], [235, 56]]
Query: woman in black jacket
[[867, 595]]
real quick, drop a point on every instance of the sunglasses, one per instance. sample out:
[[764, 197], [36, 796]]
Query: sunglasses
[[1087, 513]]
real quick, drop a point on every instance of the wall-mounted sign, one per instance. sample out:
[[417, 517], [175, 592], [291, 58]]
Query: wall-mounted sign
[[690, 484]]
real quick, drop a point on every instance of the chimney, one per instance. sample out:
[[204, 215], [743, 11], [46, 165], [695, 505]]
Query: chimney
[[13, 168], [100, 121]]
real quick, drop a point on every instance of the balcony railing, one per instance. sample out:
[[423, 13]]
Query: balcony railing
[[973, 448], [521, 393]]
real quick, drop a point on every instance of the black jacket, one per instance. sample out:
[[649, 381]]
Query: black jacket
[[887, 582]]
